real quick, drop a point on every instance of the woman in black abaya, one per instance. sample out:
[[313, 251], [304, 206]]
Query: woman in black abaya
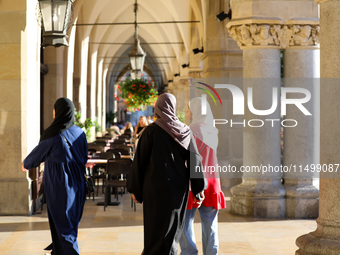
[[160, 175], [63, 148]]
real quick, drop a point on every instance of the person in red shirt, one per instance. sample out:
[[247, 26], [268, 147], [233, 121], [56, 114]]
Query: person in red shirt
[[206, 136]]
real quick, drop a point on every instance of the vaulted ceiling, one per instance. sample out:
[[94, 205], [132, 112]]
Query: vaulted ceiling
[[115, 56]]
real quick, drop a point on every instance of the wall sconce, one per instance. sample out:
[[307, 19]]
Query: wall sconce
[[222, 16], [176, 74], [185, 65], [197, 50], [170, 81]]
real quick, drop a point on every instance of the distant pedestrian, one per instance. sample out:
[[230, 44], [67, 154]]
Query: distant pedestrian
[[150, 119], [142, 123], [128, 130]]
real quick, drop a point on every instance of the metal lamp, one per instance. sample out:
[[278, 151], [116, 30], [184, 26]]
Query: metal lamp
[[56, 17], [137, 55]]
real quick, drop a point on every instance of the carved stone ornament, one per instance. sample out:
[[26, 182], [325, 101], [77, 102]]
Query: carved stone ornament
[[282, 36], [184, 82], [195, 74]]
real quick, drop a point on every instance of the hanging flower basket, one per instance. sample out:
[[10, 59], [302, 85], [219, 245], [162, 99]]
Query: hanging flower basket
[[138, 94]]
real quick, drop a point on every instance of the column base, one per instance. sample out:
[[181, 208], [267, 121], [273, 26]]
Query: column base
[[229, 179], [15, 196], [310, 245], [259, 198], [302, 199]]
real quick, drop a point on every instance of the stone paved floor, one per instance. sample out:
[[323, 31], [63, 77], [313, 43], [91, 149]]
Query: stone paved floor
[[119, 230]]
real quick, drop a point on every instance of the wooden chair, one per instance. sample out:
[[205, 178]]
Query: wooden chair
[[125, 137], [115, 168], [96, 174], [117, 154], [96, 147], [108, 135], [91, 151], [100, 142], [102, 138], [123, 146], [120, 140], [122, 151]]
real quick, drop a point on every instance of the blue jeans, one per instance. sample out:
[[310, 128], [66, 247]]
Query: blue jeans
[[209, 221]]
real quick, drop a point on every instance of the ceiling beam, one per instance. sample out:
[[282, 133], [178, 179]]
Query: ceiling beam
[[118, 43], [147, 57], [133, 23]]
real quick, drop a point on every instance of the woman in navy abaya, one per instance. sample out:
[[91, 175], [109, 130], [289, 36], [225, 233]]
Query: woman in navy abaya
[[63, 148]]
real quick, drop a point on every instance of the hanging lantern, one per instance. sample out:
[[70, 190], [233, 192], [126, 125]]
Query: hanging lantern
[[137, 57], [56, 18]]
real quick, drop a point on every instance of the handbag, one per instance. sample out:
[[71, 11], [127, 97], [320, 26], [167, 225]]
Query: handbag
[[89, 185], [88, 180], [137, 137]]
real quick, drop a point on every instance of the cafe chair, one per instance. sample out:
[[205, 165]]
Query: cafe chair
[[119, 141], [116, 168], [100, 142], [123, 151], [117, 154], [90, 152], [102, 138], [97, 174], [96, 147], [122, 146], [125, 137]]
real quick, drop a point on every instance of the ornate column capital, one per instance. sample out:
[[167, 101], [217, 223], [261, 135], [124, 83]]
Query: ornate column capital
[[280, 36], [185, 81], [195, 73]]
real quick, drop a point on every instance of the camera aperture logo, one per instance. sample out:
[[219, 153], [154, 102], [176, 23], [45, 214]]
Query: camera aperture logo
[[239, 103], [204, 102]]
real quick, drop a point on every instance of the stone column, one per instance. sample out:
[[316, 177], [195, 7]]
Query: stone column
[[261, 195], [180, 98], [53, 81], [262, 43], [100, 96], [326, 238], [94, 86], [104, 98], [173, 88], [301, 143], [19, 103], [185, 84], [83, 79], [222, 59]]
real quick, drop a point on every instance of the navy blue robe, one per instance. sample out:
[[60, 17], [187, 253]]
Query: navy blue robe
[[64, 185]]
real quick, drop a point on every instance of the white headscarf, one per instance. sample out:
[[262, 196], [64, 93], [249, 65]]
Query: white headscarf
[[203, 125]]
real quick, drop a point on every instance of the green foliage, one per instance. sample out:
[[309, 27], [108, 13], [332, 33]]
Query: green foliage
[[181, 115], [77, 119], [110, 117], [138, 93], [97, 126], [86, 126]]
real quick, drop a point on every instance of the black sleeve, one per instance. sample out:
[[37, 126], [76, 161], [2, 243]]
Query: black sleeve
[[197, 178], [140, 162]]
